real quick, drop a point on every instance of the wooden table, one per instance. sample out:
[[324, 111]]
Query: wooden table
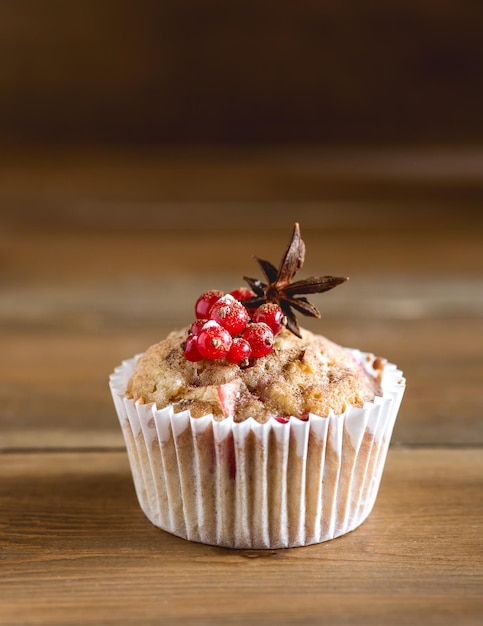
[[101, 254]]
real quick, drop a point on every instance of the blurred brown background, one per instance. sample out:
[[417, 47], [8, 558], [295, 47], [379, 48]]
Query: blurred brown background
[[184, 72]]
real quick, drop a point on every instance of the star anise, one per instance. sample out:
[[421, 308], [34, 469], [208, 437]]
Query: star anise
[[281, 290]]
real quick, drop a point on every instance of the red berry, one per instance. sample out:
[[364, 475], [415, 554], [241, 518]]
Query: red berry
[[214, 342], [271, 314], [230, 314], [282, 419], [191, 351], [239, 351], [196, 327], [205, 302], [242, 293], [260, 338]]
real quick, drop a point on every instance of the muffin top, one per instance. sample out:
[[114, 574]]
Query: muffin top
[[246, 356], [300, 375]]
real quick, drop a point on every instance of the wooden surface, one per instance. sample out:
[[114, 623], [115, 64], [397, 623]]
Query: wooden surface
[[79, 550], [101, 254]]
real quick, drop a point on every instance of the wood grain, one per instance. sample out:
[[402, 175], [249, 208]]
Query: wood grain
[[99, 186], [75, 543]]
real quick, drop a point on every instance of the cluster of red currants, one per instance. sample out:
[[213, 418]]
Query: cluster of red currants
[[225, 328]]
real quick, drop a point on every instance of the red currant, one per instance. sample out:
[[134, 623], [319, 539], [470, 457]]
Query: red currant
[[230, 314], [239, 351], [191, 351], [271, 314], [196, 327], [214, 342], [242, 293], [260, 338], [205, 302]]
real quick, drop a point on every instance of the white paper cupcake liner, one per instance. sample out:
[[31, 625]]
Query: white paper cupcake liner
[[250, 485]]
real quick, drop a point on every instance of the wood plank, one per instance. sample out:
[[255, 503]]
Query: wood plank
[[132, 189], [27, 253], [75, 548]]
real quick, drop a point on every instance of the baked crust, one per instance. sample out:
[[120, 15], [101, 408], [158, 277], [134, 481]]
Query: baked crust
[[299, 376]]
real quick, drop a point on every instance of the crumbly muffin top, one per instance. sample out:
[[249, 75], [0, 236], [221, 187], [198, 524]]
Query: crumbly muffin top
[[299, 376]]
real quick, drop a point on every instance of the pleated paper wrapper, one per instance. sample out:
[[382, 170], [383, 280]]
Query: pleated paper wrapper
[[253, 486]]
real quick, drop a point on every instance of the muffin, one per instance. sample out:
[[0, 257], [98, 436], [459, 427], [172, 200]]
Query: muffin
[[246, 431]]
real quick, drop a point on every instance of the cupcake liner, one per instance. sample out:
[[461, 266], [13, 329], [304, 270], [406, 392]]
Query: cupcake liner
[[251, 485]]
